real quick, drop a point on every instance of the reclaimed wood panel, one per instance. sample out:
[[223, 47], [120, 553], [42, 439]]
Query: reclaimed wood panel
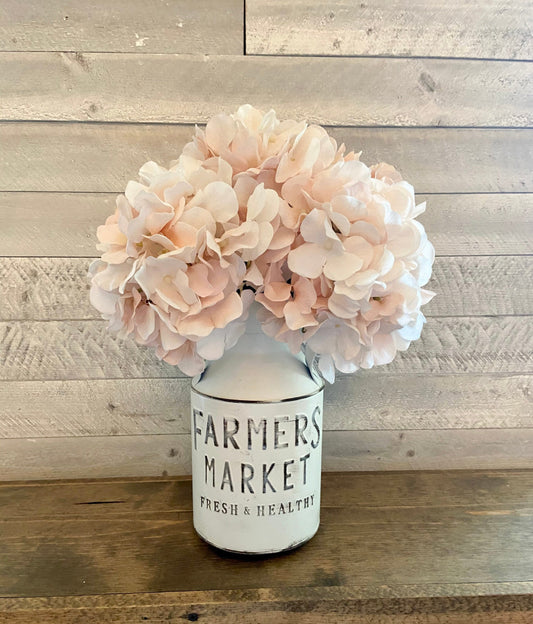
[[497, 224], [82, 157], [493, 29], [58, 288], [445, 603], [451, 449], [56, 350], [428, 401], [163, 495], [64, 224], [354, 450], [53, 224], [484, 283], [95, 456], [112, 548], [75, 498], [458, 398], [128, 87], [103, 157], [111, 407], [174, 27]]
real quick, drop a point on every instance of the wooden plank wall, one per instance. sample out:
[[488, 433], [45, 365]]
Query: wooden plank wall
[[87, 96]]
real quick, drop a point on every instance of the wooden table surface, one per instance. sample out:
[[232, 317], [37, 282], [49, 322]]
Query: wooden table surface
[[398, 547]]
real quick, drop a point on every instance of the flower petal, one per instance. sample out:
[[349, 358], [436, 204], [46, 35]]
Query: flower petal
[[341, 266], [219, 199], [278, 291], [263, 204], [307, 260], [219, 133]]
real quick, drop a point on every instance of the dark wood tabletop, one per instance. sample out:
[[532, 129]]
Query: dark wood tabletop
[[409, 547]]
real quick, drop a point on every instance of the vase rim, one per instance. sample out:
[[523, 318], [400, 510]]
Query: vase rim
[[254, 402]]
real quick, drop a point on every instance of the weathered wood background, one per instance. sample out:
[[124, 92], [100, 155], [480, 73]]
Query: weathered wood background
[[89, 94]]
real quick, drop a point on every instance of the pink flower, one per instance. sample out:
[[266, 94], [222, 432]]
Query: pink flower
[[260, 209]]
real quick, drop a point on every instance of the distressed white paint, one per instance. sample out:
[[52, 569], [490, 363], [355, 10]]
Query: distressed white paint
[[256, 431], [256, 471]]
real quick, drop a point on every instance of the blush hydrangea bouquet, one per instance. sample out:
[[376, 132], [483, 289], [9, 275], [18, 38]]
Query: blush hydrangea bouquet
[[273, 211]]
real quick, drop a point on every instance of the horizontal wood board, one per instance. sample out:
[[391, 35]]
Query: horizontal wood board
[[58, 288], [87, 157], [112, 407], [64, 224], [495, 29], [397, 92], [152, 455], [36, 350], [176, 27]]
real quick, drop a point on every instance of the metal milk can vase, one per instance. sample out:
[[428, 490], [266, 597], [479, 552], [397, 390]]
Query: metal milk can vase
[[256, 429]]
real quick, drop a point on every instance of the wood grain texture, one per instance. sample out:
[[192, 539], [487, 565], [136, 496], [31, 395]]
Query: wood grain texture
[[170, 494], [428, 449], [82, 157], [58, 288], [88, 403], [304, 605], [111, 407], [494, 29], [419, 92], [95, 457], [354, 450], [497, 224], [57, 350], [475, 160], [103, 157], [62, 540], [64, 224], [177, 26], [53, 224], [445, 604], [487, 284]]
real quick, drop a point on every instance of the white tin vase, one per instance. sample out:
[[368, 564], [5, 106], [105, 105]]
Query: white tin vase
[[256, 429]]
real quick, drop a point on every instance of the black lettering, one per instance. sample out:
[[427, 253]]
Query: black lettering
[[228, 435], [278, 433], [246, 478], [210, 466], [265, 478], [287, 475], [197, 431], [316, 412], [210, 431], [304, 461], [226, 477], [299, 429], [261, 427]]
